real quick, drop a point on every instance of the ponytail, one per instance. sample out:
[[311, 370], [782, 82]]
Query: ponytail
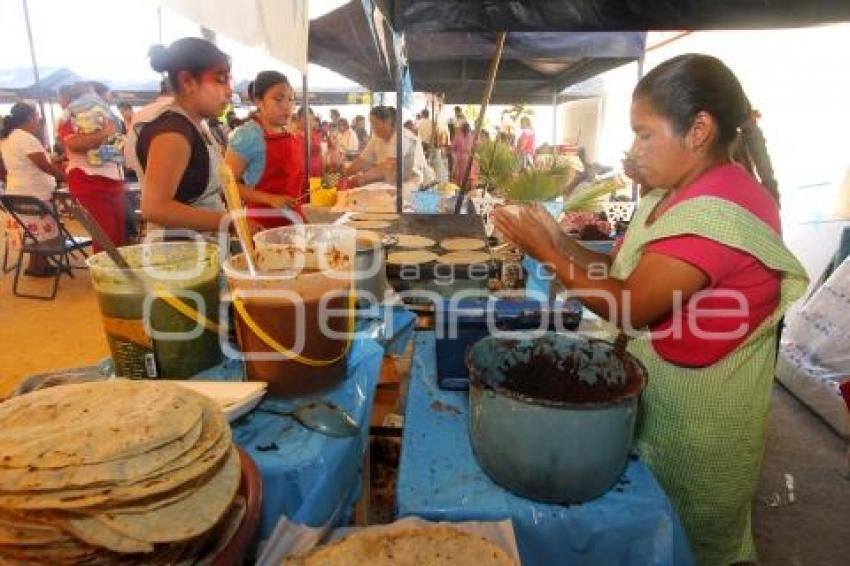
[[20, 113]]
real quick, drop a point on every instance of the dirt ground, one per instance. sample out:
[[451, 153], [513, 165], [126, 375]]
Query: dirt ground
[[38, 336]]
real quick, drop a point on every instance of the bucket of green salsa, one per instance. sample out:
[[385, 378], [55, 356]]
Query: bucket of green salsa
[[148, 337]]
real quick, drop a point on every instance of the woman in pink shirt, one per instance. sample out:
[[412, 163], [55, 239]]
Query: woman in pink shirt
[[462, 152], [698, 287]]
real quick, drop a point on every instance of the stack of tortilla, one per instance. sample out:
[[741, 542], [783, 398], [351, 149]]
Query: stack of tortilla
[[431, 546], [116, 472]]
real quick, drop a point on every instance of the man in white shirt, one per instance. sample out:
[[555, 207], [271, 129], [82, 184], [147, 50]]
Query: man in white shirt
[[378, 161]]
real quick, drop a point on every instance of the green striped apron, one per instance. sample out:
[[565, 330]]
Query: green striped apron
[[702, 431]]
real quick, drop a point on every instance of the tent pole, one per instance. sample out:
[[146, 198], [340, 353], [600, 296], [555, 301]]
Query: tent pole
[[554, 118], [431, 143], [35, 68], [488, 92], [640, 63], [308, 132], [399, 133]]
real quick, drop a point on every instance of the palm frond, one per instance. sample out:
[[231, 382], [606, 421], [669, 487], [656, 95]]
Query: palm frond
[[589, 198], [535, 185], [497, 163]]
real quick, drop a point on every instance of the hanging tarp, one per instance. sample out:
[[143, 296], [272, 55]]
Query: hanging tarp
[[429, 16], [278, 27], [534, 65], [343, 41]]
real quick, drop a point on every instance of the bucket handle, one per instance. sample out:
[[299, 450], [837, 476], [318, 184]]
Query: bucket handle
[[280, 349], [185, 310]]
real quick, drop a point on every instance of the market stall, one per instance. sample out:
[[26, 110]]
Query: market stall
[[453, 459]]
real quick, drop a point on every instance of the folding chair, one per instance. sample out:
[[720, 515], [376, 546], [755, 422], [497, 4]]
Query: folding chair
[[6, 266], [64, 203], [57, 253]]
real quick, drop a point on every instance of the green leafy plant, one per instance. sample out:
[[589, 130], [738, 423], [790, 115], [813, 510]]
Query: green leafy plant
[[589, 198], [536, 185], [497, 164]]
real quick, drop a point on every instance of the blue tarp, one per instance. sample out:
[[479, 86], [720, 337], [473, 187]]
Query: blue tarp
[[308, 477], [440, 479]]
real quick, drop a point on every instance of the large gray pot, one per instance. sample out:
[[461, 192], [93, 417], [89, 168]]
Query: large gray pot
[[370, 270], [551, 450]]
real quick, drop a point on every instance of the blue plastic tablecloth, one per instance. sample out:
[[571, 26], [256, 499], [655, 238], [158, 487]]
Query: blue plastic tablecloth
[[439, 479], [309, 477]]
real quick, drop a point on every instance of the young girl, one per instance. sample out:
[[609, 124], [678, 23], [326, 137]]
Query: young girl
[[266, 158]]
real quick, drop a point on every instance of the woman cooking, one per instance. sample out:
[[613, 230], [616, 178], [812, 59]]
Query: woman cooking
[[703, 272], [172, 148], [265, 157]]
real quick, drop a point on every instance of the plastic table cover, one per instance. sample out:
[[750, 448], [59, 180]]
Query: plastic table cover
[[440, 479], [309, 477]]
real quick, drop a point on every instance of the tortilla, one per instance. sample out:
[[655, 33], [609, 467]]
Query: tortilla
[[24, 536], [413, 257], [412, 241], [212, 446], [152, 480], [124, 470], [97, 533], [464, 258], [186, 518], [90, 423], [410, 547], [59, 553], [368, 224], [462, 244], [386, 216]]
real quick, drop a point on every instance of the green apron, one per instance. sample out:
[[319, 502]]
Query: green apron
[[702, 431]]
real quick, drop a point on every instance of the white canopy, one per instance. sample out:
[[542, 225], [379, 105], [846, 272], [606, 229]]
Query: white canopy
[[279, 27]]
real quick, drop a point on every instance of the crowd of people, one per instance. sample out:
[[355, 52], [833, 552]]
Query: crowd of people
[[174, 146]]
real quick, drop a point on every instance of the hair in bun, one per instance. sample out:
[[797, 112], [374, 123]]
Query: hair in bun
[[191, 54], [158, 55]]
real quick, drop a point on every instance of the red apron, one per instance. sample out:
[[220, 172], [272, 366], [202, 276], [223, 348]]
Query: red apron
[[283, 174]]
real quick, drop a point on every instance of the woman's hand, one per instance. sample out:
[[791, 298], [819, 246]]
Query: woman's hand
[[532, 228]]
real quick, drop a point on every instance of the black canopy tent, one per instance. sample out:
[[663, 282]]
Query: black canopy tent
[[534, 65], [430, 16]]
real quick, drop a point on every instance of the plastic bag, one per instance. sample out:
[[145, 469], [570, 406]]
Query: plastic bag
[[814, 360]]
